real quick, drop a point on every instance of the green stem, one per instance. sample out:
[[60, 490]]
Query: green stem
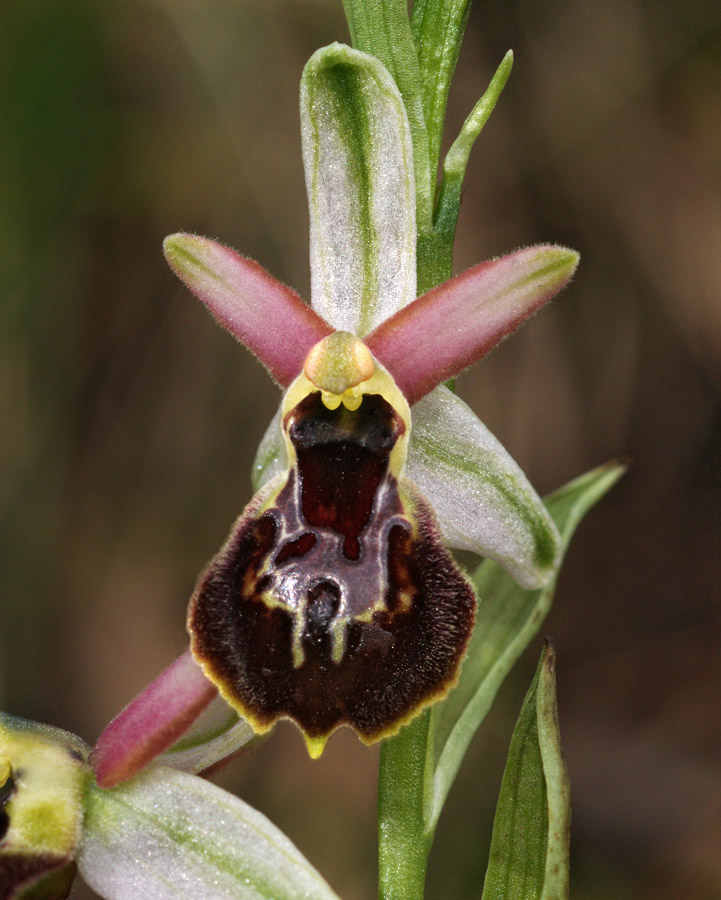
[[380, 27], [434, 260], [403, 783]]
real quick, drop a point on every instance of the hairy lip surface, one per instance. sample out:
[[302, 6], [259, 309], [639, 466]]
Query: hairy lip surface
[[335, 602]]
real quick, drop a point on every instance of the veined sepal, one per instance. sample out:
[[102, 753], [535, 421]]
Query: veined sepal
[[217, 736], [482, 499], [358, 159], [167, 835]]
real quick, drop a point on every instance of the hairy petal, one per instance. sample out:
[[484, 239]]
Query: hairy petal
[[455, 324], [265, 315], [152, 722], [483, 501], [358, 160]]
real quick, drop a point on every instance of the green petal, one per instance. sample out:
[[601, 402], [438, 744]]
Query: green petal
[[529, 848], [358, 161], [483, 501], [167, 835]]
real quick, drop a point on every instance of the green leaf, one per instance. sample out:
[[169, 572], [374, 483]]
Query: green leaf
[[359, 175], [382, 28], [529, 848], [558, 788], [454, 165], [167, 835], [418, 766], [438, 27], [508, 619]]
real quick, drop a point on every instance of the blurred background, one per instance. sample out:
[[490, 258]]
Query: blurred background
[[129, 420]]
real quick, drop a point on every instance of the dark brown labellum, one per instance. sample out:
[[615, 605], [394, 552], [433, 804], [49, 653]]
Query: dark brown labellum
[[334, 601]]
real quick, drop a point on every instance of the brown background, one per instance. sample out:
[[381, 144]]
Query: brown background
[[129, 420]]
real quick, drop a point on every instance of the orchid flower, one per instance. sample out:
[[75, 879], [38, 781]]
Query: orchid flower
[[334, 600], [42, 779]]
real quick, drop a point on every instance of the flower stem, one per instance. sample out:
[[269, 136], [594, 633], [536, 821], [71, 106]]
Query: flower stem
[[402, 789]]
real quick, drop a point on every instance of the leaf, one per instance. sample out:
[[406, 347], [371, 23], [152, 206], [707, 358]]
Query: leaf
[[454, 165], [418, 766], [529, 849], [438, 27], [358, 162], [382, 29], [483, 501], [507, 620], [167, 835]]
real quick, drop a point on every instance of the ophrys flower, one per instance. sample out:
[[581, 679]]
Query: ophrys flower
[[333, 600]]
